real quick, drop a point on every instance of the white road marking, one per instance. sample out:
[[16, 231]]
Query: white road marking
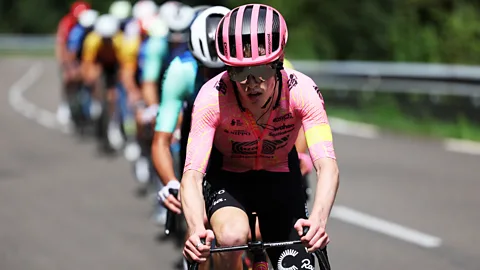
[[345, 127], [28, 109], [462, 146], [378, 225]]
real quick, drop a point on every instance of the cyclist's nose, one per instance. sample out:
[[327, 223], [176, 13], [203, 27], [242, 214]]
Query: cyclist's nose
[[252, 81]]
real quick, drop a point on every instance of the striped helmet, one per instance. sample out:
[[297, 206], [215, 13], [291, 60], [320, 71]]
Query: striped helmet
[[252, 34]]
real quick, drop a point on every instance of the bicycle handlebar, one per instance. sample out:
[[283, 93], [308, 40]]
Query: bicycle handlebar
[[251, 246]]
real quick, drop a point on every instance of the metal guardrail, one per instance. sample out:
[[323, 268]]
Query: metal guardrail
[[432, 79], [9, 42]]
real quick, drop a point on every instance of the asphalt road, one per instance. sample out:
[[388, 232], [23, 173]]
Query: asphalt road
[[64, 207]]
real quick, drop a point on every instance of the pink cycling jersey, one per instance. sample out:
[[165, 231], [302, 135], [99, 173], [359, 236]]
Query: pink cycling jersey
[[218, 121]]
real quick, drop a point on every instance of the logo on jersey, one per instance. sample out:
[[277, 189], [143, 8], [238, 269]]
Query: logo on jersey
[[245, 148], [240, 132], [249, 149], [281, 265], [269, 147], [236, 122], [292, 82], [281, 130], [283, 117], [221, 87], [318, 91]]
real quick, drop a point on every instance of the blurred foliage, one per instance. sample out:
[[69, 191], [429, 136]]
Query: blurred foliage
[[445, 31], [380, 30]]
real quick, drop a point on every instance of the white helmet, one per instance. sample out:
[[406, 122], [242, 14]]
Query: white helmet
[[87, 18], [144, 8], [107, 26], [200, 8], [202, 36], [157, 27], [120, 9], [178, 16]]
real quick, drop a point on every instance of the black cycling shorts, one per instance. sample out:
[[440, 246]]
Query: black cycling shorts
[[277, 198]]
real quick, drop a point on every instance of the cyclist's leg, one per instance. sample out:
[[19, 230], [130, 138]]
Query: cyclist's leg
[[225, 205]]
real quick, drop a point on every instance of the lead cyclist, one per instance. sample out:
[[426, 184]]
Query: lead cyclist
[[244, 125]]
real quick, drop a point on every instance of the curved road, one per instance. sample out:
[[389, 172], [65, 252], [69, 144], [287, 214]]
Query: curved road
[[403, 203]]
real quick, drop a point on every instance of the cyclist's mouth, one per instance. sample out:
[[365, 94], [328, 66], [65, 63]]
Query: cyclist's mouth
[[254, 96]]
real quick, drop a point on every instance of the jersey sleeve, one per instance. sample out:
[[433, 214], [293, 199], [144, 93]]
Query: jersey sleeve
[[178, 84], [91, 45], [205, 118], [310, 108], [129, 51], [74, 39], [156, 49]]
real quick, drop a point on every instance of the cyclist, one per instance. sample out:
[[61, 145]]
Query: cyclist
[[178, 18], [183, 78], [65, 25], [135, 39], [86, 20], [101, 59], [245, 121], [159, 53]]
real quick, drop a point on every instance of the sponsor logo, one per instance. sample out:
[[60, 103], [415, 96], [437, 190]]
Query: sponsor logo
[[281, 265], [292, 81], [283, 117], [240, 132], [245, 148], [275, 134], [225, 51], [269, 147], [318, 91], [306, 264], [283, 127], [236, 122], [219, 201], [221, 87]]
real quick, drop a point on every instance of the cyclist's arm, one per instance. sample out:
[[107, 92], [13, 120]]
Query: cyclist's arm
[[318, 135], [200, 140], [155, 50], [60, 41], [91, 45], [73, 42], [130, 50], [179, 79]]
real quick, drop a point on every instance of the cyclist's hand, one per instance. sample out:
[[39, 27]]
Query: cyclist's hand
[[168, 199], [133, 97], [194, 250], [316, 238]]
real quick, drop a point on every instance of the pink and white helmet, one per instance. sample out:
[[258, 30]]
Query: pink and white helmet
[[256, 25]]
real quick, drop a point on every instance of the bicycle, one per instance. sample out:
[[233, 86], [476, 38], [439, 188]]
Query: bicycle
[[257, 249]]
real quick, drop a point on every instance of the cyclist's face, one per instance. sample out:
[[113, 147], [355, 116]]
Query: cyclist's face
[[255, 90]]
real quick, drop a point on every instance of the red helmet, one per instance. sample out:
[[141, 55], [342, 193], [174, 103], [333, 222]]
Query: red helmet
[[77, 7]]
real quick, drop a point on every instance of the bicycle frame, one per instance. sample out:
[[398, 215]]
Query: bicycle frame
[[258, 247]]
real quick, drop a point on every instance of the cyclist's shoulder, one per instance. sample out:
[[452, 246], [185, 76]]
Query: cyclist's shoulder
[[216, 88], [92, 40], [298, 83], [156, 45]]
